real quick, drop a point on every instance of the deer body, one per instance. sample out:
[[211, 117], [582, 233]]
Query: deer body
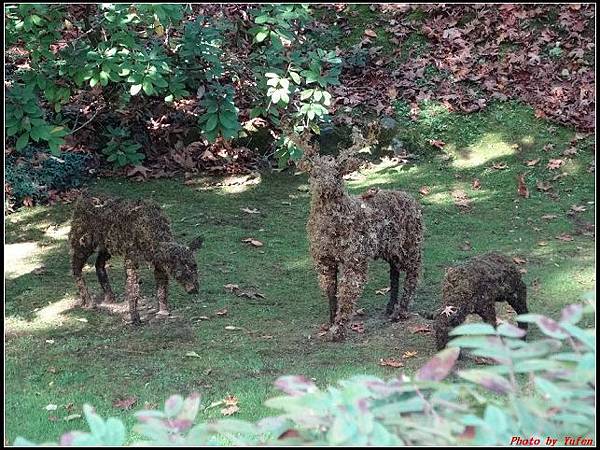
[[346, 231], [141, 233]]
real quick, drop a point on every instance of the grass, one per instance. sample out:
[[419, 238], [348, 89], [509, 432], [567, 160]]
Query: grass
[[57, 353]]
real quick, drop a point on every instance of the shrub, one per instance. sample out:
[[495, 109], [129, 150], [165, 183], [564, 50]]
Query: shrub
[[121, 149], [162, 51], [540, 388], [34, 175]]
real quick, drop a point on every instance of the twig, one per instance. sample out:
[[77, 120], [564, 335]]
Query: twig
[[85, 123]]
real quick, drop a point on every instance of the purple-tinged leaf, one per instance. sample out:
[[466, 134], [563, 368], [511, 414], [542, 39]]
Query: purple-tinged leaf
[[438, 367], [173, 405], [551, 328], [191, 405], [509, 330], [491, 381], [571, 313], [295, 385]]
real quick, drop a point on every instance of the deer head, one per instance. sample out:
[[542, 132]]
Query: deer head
[[326, 171]]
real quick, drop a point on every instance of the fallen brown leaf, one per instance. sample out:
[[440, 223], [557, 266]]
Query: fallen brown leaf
[[522, 186], [370, 33], [476, 184], [461, 199], [554, 164], [549, 216], [420, 329], [424, 190], [139, 171], [382, 291], [577, 208], [253, 242], [125, 403], [449, 310], [466, 246], [391, 362], [532, 162], [230, 410], [564, 237], [409, 354], [519, 260], [500, 166], [221, 312], [543, 186]]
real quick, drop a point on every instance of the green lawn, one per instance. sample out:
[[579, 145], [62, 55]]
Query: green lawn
[[57, 353]]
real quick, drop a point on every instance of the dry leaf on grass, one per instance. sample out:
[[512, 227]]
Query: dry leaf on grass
[[391, 362], [532, 162], [461, 200], [409, 354], [522, 186], [554, 164], [476, 184], [231, 405], [549, 216], [253, 242], [543, 186], [424, 190], [420, 329], [466, 246], [382, 291], [449, 310], [437, 143], [125, 403], [250, 211], [577, 209], [519, 260], [564, 237], [221, 312]]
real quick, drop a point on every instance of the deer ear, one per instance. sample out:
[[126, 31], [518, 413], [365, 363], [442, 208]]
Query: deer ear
[[349, 165], [196, 243]]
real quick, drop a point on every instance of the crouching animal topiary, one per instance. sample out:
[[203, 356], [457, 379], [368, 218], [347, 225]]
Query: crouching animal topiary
[[474, 288], [140, 232], [346, 231]]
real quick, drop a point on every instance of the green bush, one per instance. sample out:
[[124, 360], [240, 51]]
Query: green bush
[[162, 51], [544, 387], [35, 174], [120, 148]]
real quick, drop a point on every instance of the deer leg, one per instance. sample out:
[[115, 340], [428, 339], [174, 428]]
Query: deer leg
[[518, 302], [410, 286], [103, 256], [79, 257], [486, 310], [132, 290], [394, 286], [328, 283], [162, 284], [350, 287]]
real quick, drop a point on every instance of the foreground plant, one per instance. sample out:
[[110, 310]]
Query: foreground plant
[[555, 399]]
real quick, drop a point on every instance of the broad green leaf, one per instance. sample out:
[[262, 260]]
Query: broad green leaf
[[135, 89], [262, 35], [22, 141]]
